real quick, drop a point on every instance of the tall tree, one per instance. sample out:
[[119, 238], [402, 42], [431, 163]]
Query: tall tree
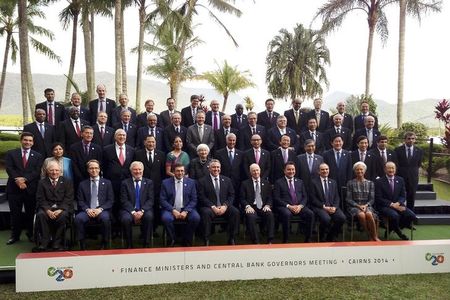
[[333, 13], [140, 50], [118, 46], [24, 51], [296, 63], [415, 8], [227, 79]]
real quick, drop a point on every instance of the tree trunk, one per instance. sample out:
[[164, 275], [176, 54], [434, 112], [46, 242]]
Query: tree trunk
[[118, 56], [30, 87], [23, 45], [225, 99], [88, 56], [174, 87], [72, 56], [140, 54], [369, 59], [92, 32], [122, 52], [5, 64], [401, 62]]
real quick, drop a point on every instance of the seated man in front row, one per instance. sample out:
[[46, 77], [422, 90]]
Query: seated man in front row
[[95, 198], [178, 200], [216, 197], [390, 200], [54, 198], [136, 201]]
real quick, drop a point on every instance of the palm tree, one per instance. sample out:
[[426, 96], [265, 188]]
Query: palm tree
[[118, 46], [333, 13], [142, 21], [414, 8], [227, 79], [24, 51], [296, 63]]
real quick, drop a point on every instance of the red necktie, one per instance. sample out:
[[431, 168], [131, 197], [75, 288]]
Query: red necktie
[[77, 127], [102, 132], [215, 122], [24, 158], [50, 114], [121, 156]]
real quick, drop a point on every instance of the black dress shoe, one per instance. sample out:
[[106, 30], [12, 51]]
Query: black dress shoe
[[402, 236], [207, 243], [12, 241], [231, 242], [39, 249]]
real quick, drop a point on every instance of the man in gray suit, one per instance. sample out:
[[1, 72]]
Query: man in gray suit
[[308, 163], [199, 133]]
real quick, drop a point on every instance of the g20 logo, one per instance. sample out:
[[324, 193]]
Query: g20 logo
[[60, 273], [435, 258]]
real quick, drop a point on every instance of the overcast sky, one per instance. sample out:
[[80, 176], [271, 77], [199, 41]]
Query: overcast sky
[[427, 46]]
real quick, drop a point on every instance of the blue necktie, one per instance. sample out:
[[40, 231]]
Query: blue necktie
[[137, 195]]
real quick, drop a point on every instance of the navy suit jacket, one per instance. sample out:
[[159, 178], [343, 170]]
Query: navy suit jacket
[[105, 194], [220, 138], [234, 122], [156, 170], [274, 136], [264, 162], [345, 133], [59, 111], [164, 119], [359, 121], [263, 119], [324, 119], [108, 136], [131, 133], [384, 195], [42, 145], [112, 169], [67, 133], [320, 141], [93, 109], [169, 135], [115, 118], [345, 170], [167, 196], [281, 194], [84, 114], [302, 169], [377, 167], [248, 192], [143, 132], [347, 122], [245, 136], [302, 120], [208, 118], [231, 170], [15, 168], [141, 120], [409, 169], [277, 163], [207, 195], [128, 194], [317, 194], [186, 116], [363, 132], [79, 159]]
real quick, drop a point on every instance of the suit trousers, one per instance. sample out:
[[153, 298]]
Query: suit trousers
[[232, 216], [268, 221], [307, 219], [16, 202], [330, 225], [47, 226], [398, 219], [126, 219], [192, 220], [82, 219]]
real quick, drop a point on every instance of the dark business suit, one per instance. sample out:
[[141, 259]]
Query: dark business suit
[[84, 113], [154, 169], [359, 121], [363, 132], [408, 169], [274, 136], [324, 119], [129, 203], [53, 198], [144, 132], [109, 107], [264, 162], [245, 136], [167, 200], [303, 172], [318, 200], [59, 112], [384, 197], [207, 198], [169, 135], [165, 118], [277, 163], [344, 171], [131, 132], [80, 158], [320, 141], [193, 138], [347, 121], [186, 116], [105, 201], [18, 197], [231, 169], [377, 168], [220, 140], [299, 126], [141, 120], [282, 199], [264, 120], [235, 123], [118, 110], [209, 119], [108, 135], [68, 134], [356, 156], [345, 133], [247, 196], [42, 145]]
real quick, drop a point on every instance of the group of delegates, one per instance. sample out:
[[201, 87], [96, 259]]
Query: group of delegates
[[114, 166]]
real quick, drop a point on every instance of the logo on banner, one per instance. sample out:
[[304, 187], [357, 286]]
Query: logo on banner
[[60, 273], [435, 258]]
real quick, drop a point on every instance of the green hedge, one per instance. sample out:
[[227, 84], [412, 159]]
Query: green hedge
[[5, 146], [4, 136]]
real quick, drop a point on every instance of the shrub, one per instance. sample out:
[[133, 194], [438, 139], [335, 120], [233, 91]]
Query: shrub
[[5, 146], [418, 128], [5, 136]]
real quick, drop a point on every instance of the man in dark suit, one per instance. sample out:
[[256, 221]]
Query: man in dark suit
[[246, 132], [54, 110], [142, 117], [178, 202], [103, 134], [199, 133], [308, 164], [83, 151], [369, 131], [225, 129], [409, 161], [279, 157], [153, 130], [296, 118], [259, 156], [347, 120], [390, 200], [381, 155], [101, 104], [338, 128], [70, 129], [136, 201], [325, 202], [95, 198], [268, 117], [291, 201], [213, 117], [339, 162], [54, 199], [322, 117], [256, 201], [238, 119], [116, 113], [361, 154], [166, 115], [274, 134], [173, 130], [75, 100], [313, 134], [231, 163], [359, 121], [44, 133], [189, 113], [216, 197], [130, 128], [23, 167]]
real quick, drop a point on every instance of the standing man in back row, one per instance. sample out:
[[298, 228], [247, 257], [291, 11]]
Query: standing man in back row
[[54, 110], [101, 104]]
